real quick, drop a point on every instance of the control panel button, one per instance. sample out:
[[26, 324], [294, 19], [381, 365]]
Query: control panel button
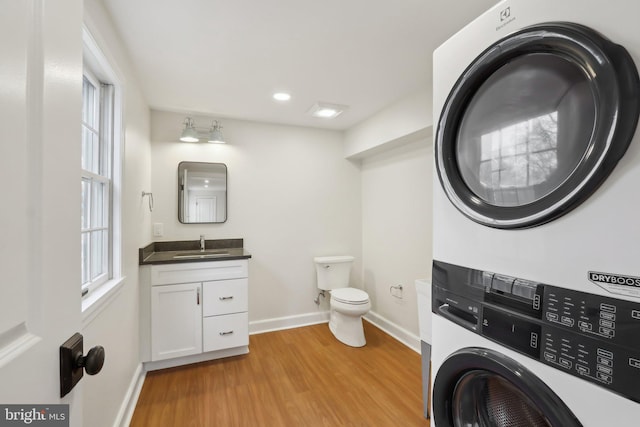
[[635, 314], [567, 321], [604, 377], [606, 362], [634, 362], [605, 369], [605, 353], [607, 324], [583, 370], [607, 332], [607, 316], [608, 307], [585, 326]]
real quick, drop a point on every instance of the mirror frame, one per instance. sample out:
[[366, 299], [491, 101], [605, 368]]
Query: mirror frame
[[181, 193]]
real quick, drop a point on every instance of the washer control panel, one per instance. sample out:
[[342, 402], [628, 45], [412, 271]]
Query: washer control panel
[[589, 336], [593, 337]]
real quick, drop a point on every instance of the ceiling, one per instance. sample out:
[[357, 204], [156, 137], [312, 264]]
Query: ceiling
[[225, 58]]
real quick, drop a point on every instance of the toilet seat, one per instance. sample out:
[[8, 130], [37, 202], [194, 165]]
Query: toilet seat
[[350, 296]]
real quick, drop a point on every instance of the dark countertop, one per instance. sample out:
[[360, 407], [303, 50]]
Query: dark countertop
[[189, 251]]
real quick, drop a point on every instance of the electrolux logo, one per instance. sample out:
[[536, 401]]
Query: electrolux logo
[[34, 415], [505, 14], [505, 18]]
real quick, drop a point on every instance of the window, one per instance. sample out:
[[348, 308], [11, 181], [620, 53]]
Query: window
[[100, 176], [516, 158]]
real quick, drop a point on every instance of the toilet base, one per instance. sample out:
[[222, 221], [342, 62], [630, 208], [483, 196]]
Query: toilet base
[[347, 329]]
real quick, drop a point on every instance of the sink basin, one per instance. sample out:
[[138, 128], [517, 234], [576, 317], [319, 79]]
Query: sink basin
[[199, 254]]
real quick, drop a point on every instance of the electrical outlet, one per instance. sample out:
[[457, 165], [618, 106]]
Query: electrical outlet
[[158, 229]]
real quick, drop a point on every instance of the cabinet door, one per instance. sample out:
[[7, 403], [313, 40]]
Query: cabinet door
[[176, 321]]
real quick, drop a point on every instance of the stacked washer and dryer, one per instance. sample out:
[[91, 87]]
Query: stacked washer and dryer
[[536, 273]]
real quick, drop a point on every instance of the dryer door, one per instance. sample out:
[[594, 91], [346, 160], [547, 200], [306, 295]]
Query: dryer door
[[483, 388], [535, 124]]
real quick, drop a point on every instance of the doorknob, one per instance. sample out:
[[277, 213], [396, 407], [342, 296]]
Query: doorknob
[[93, 361], [73, 363]]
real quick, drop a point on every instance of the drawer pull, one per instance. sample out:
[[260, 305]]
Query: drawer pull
[[225, 298], [226, 333]]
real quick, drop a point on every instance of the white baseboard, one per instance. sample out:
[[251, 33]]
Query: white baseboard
[[277, 324], [131, 398], [399, 333], [288, 322]]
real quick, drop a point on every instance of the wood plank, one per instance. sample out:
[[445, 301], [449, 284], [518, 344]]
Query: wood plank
[[296, 377]]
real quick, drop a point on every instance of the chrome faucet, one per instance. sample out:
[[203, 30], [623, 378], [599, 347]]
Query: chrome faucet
[[202, 243]]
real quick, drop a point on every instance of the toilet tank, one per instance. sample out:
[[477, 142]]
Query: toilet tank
[[333, 271]]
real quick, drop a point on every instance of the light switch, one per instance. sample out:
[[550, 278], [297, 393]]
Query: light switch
[[158, 229]]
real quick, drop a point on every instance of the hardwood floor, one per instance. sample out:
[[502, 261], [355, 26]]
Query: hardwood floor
[[296, 377]]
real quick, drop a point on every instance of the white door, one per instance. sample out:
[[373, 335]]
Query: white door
[[205, 209], [176, 321], [40, 111]]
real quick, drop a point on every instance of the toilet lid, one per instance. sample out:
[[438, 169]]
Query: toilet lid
[[350, 295]]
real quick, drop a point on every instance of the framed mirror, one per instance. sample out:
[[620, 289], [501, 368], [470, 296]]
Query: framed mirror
[[202, 192]]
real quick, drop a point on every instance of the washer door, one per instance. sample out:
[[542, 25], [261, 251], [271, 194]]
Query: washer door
[[535, 124], [478, 387]]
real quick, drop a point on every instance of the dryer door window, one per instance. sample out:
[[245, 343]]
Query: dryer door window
[[535, 124], [481, 387]]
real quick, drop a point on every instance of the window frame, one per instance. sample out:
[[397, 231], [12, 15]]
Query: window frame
[[100, 69], [102, 107]]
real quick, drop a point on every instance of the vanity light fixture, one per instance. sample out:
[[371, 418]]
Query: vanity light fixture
[[191, 134], [215, 134], [324, 110]]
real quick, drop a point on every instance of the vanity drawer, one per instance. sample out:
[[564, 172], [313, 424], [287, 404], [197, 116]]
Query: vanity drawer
[[227, 331], [225, 297], [166, 274]]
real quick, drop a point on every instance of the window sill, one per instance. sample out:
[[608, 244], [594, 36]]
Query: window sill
[[94, 303]]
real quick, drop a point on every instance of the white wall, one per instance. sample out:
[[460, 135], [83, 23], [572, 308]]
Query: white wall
[[396, 228], [116, 327], [291, 196], [406, 119]]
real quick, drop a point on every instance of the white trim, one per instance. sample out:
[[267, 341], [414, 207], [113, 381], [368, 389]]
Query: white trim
[[95, 302], [288, 322], [15, 342], [104, 70], [399, 333], [123, 419], [195, 358]]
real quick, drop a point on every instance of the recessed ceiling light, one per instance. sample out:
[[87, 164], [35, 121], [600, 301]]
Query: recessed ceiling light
[[326, 111], [281, 96]]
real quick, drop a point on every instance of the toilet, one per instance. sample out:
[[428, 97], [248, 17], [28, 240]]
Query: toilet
[[347, 305]]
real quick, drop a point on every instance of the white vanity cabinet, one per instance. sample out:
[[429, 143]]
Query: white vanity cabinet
[[198, 311]]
